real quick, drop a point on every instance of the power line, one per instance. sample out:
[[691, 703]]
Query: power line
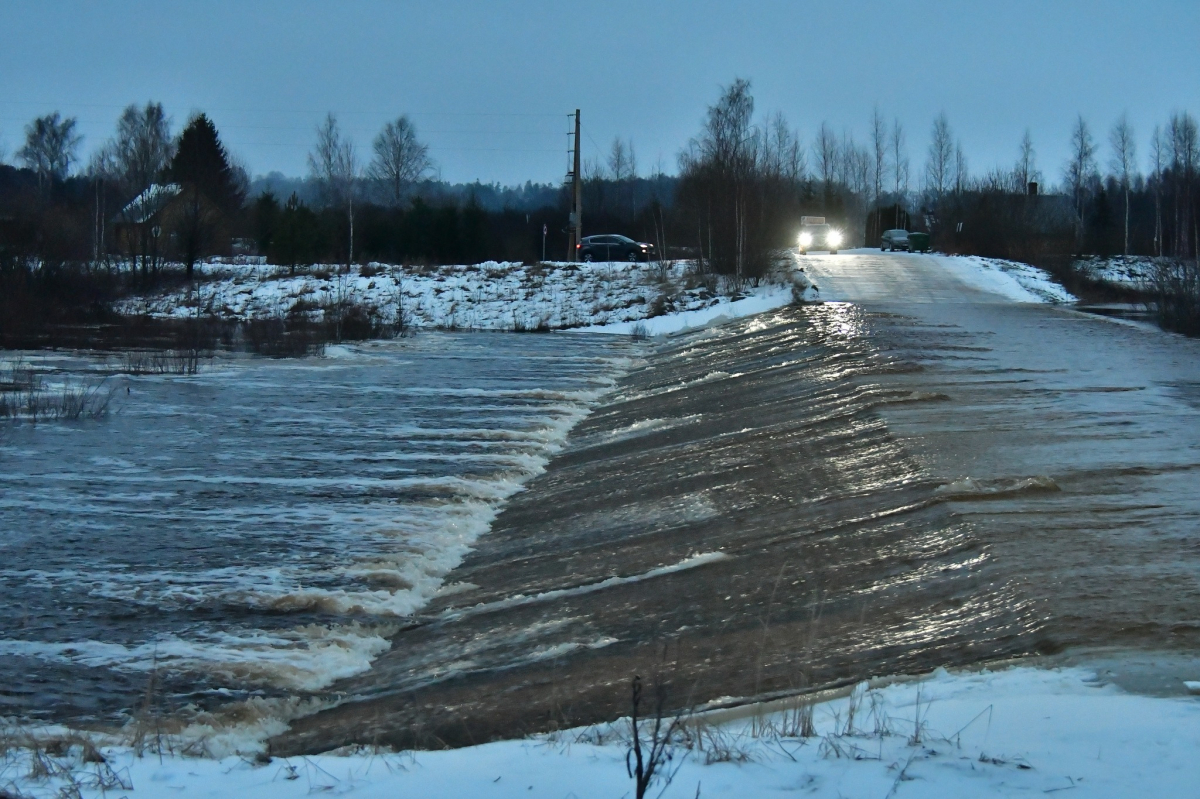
[[309, 128], [599, 152], [265, 110]]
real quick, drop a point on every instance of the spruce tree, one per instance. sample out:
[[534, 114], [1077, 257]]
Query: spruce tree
[[210, 189], [202, 162]]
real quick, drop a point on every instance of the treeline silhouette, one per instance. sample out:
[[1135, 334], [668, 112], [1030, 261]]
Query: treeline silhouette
[[72, 239]]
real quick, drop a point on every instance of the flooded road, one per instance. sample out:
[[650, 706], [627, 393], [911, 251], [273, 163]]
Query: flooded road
[[917, 472], [921, 474], [1107, 409]]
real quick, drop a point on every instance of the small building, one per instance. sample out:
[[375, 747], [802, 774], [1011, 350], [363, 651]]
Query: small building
[[171, 221], [148, 213]]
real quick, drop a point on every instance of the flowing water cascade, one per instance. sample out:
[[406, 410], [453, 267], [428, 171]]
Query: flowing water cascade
[[738, 514], [801, 499], [809, 498], [262, 528]]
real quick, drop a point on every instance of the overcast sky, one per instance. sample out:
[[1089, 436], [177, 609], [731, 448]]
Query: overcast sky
[[489, 84]]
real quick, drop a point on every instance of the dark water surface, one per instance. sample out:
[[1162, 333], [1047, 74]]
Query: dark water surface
[[261, 528]]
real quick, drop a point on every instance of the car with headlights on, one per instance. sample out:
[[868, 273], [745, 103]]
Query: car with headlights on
[[611, 247], [816, 234], [894, 240]]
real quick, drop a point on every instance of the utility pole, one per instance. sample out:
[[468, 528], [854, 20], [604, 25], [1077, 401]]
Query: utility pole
[[576, 222]]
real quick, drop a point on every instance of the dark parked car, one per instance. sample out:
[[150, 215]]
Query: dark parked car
[[894, 240], [611, 247], [918, 242]]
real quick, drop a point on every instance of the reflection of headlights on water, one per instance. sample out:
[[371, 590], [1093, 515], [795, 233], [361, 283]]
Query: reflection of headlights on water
[[834, 238], [805, 239]]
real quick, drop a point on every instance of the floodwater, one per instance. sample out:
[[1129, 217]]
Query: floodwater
[[916, 475], [261, 528], [902, 480]]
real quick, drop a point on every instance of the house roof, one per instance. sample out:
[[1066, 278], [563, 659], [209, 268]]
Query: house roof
[[146, 205]]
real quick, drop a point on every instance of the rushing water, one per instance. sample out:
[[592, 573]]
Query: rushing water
[[812, 497], [262, 527]]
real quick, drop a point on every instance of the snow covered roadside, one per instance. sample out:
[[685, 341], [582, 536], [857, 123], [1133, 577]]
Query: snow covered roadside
[[1017, 281], [1017, 731], [759, 300], [487, 296]]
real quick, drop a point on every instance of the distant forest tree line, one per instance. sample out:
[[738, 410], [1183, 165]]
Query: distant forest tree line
[[149, 196]]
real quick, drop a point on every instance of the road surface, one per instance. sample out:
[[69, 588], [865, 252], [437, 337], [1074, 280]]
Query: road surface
[[924, 473]]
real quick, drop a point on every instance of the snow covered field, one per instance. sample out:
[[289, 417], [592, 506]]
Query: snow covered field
[[591, 297], [487, 296], [1128, 271], [1015, 732]]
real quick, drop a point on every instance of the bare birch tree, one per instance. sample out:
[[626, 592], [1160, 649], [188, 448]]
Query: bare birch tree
[[401, 159], [622, 168], [939, 165], [140, 152], [333, 163], [1123, 163], [1025, 171], [825, 152], [783, 152], [1157, 160], [962, 176], [134, 160], [899, 158], [621, 160], [1185, 152], [1080, 172], [879, 151], [51, 147], [855, 161]]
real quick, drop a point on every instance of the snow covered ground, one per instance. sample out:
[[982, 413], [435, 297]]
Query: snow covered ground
[[1017, 281], [487, 296], [765, 298], [1015, 732], [642, 299], [1129, 271]]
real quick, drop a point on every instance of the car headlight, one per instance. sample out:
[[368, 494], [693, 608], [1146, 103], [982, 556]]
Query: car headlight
[[834, 237], [805, 239]]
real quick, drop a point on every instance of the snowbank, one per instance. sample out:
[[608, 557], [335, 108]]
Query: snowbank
[[1021, 731], [1017, 281], [759, 300], [490, 296]]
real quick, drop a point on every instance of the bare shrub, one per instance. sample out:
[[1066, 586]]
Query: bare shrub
[[1176, 287], [652, 741], [168, 362], [279, 338], [24, 395], [719, 745]]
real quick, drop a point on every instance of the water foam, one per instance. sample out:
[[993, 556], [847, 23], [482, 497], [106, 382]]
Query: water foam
[[402, 517]]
